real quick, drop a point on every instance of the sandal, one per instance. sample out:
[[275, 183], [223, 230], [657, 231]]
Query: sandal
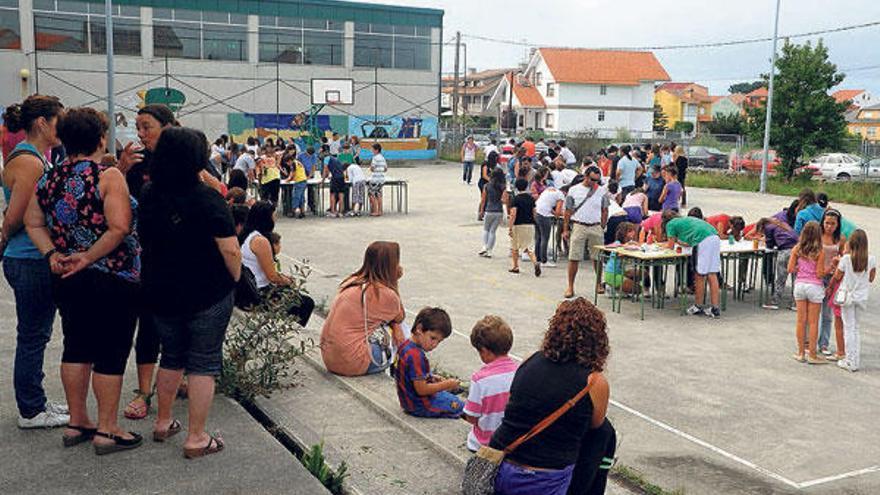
[[215, 445], [85, 434], [139, 406], [173, 429], [514, 270], [119, 443]]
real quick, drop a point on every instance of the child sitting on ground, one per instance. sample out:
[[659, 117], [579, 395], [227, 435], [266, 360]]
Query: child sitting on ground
[[275, 240], [490, 385], [627, 234], [421, 393]]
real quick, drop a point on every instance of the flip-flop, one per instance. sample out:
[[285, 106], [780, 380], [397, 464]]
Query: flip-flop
[[173, 429], [119, 443], [568, 295], [215, 445], [85, 434]]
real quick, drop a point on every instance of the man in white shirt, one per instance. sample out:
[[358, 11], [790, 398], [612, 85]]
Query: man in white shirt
[[586, 213], [548, 206], [246, 164], [468, 157], [561, 175], [489, 148], [566, 154]]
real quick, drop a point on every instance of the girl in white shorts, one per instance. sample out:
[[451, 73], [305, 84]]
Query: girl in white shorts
[[807, 261]]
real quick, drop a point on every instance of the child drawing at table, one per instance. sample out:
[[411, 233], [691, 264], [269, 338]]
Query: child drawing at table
[[615, 277], [807, 261]]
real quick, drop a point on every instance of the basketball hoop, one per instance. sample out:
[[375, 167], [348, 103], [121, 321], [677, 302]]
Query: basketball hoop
[[332, 92], [332, 97]]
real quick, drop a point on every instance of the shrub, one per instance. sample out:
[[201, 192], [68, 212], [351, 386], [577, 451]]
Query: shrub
[[682, 126], [313, 460]]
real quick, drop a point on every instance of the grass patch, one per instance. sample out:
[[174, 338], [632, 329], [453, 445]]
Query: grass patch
[[636, 480], [863, 193]]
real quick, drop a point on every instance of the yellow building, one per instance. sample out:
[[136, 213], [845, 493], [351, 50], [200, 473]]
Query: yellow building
[[865, 122], [688, 102]]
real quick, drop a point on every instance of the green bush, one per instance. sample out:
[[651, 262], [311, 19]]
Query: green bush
[[262, 344], [314, 461], [682, 126]]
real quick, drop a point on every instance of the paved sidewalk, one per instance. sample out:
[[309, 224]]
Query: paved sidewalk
[[34, 461]]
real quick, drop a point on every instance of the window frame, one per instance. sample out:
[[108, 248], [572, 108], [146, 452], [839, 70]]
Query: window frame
[[603, 90], [293, 29], [17, 24], [601, 116], [369, 32], [550, 90], [550, 120]]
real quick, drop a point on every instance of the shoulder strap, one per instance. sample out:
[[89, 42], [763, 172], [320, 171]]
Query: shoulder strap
[[24, 151], [589, 195], [549, 420]]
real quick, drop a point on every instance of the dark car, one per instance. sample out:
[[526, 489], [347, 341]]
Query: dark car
[[706, 157]]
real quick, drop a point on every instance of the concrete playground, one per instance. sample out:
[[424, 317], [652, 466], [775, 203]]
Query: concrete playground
[[707, 406]]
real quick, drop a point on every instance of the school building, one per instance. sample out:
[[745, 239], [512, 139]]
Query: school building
[[240, 67]]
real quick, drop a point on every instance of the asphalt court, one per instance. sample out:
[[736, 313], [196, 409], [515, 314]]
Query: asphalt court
[[708, 406]]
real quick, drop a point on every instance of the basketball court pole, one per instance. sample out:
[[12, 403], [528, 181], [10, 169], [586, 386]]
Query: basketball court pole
[[277, 89], [111, 104]]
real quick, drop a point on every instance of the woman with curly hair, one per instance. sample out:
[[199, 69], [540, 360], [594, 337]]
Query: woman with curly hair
[[573, 454]]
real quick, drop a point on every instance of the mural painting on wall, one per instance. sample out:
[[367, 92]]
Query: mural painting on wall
[[402, 138]]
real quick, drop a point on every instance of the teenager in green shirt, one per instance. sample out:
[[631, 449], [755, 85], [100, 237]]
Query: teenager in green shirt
[[702, 236]]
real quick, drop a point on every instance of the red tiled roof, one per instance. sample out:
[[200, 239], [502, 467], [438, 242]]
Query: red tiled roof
[[528, 96], [674, 86], [687, 92], [738, 98], [759, 93], [843, 95], [580, 66]]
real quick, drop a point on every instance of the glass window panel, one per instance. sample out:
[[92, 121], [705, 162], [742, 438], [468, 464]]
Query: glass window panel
[[423, 31], [130, 11], [98, 8], [228, 43], [267, 20], [69, 6], [241, 19], [42, 4], [61, 33], [335, 25], [362, 27], [406, 30], [322, 48], [218, 17], [126, 36], [310, 23], [283, 44], [177, 39], [12, 4], [10, 38], [381, 28], [162, 14], [187, 15], [412, 53], [372, 51], [294, 22]]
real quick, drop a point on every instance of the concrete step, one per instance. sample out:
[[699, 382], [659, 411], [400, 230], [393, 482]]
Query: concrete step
[[370, 418]]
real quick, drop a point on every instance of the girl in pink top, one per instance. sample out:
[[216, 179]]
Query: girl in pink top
[[651, 228], [808, 262]]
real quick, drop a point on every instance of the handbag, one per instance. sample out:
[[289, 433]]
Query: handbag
[[482, 469], [381, 335], [843, 296], [246, 293]]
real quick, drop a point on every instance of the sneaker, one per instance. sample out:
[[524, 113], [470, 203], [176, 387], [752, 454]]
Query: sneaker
[[46, 419], [825, 352], [57, 407], [714, 312], [482, 252], [844, 364], [771, 305], [488, 254], [793, 307], [695, 310], [549, 264]]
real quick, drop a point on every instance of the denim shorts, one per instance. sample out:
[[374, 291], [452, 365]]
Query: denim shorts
[[379, 355], [194, 342]]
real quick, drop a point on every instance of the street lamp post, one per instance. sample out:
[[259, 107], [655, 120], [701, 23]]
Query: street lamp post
[[111, 105], [768, 117]]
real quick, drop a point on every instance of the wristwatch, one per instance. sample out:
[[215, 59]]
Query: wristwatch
[[49, 254]]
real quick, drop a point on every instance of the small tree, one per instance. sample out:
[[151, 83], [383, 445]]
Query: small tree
[[746, 87], [661, 121], [806, 119], [727, 123], [683, 126]]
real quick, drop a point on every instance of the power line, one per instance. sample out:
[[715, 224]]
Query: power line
[[693, 45]]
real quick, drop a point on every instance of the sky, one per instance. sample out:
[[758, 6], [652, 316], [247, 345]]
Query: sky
[[640, 23]]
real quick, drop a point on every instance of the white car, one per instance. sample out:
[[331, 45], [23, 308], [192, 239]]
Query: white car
[[839, 166]]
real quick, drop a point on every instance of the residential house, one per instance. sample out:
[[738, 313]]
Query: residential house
[[756, 98], [858, 98], [684, 102], [569, 90], [865, 122], [728, 104], [474, 92]]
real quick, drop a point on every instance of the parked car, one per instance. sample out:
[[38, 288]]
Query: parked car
[[706, 157], [481, 140], [841, 166], [751, 161]]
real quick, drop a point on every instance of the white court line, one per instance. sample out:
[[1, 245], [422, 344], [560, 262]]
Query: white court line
[[688, 436]]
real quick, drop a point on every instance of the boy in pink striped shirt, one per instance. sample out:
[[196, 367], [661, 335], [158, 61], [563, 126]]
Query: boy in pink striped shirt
[[490, 385]]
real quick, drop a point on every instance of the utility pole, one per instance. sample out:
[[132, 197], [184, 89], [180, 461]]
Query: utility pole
[[766, 153], [277, 89], [510, 116], [111, 104], [466, 98], [455, 88]]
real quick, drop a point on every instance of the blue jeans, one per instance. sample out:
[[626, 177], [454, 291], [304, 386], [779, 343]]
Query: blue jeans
[[467, 172], [378, 356], [31, 282], [299, 190]]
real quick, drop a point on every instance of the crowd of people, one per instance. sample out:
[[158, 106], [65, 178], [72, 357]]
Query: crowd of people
[[138, 249], [637, 196], [274, 165], [365, 333]]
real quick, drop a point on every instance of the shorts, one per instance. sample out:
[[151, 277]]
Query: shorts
[[522, 237], [194, 342], [376, 188], [443, 405], [99, 313], [809, 292], [337, 186], [709, 255], [358, 193], [582, 240]]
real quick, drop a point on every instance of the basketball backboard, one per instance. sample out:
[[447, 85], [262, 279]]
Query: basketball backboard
[[332, 91]]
